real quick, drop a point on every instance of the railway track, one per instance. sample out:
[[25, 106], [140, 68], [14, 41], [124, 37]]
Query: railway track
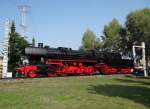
[[67, 77]]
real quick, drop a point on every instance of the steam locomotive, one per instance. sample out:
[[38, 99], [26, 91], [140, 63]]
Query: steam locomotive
[[63, 61]]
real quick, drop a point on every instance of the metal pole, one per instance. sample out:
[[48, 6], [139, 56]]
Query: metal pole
[[143, 58], [24, 10], [133, 49], [5, 52]]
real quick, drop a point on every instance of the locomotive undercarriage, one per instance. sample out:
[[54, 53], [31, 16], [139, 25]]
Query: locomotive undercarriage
[[55, 67]]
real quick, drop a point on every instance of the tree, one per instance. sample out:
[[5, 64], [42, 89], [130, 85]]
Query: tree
[[138, 26], [17, 46], [124, 41], [111, 38], [89, 41], [98, 44]]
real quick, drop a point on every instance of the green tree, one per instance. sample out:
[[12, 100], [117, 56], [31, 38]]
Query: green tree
[[17, 46], [97, 44], [138, 27], [89, 41], [112, 38], [124, 40]]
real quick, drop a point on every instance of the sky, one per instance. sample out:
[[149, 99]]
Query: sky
[[61, 23]]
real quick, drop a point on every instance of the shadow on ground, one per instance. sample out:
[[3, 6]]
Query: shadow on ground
[[137, 94], [139, 77], [137, 81]]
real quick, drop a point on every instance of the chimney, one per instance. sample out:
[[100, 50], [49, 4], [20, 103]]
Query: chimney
[[40, 45]]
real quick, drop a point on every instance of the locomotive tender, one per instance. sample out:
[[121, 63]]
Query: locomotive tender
[[63, 61]]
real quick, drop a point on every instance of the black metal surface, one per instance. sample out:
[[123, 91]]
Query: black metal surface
[[110, 58]]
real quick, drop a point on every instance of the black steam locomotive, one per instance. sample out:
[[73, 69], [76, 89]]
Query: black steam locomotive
[[63, 61]]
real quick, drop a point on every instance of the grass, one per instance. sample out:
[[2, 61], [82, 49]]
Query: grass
[[107, 92]]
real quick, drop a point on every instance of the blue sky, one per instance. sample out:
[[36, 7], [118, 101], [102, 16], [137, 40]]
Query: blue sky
[[63, 22]]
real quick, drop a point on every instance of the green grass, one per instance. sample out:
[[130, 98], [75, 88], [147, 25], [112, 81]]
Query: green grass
[[108, 92]]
